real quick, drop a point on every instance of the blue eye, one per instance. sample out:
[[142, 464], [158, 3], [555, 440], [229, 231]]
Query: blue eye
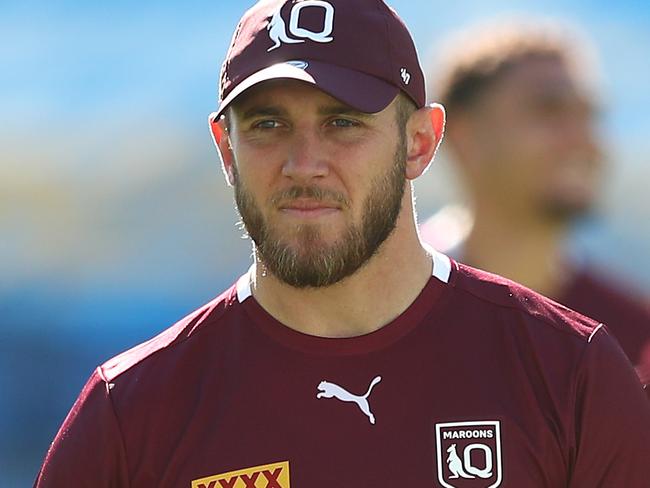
[[267, 124], [343, 123]]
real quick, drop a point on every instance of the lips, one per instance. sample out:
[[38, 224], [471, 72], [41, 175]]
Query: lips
[[308, 208], [308, 204]]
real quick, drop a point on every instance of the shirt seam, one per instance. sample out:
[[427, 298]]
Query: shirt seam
[[541, 318], [573, 397], [107, 385]]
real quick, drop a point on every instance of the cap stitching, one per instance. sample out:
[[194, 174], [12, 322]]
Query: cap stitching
[[226, 68], [391, 57]]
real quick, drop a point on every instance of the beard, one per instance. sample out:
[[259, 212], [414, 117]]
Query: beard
[[312, 263], [570, 195], [565, 213]]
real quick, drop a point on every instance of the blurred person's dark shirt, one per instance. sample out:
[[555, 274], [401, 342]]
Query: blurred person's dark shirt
[[616, 305]]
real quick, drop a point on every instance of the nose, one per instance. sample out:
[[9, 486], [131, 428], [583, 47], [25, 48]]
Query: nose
[[306, 157], [582, 135]]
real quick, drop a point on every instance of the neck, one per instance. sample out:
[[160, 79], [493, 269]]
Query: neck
[[529, 252], [365, 301]]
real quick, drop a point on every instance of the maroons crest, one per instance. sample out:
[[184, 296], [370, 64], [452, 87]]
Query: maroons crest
[[468, 454]]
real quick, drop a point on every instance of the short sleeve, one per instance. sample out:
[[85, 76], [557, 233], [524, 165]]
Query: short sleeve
[[612, 420], [88, 450]]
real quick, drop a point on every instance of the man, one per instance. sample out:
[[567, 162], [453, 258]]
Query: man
[[350, 355], [521, 107]]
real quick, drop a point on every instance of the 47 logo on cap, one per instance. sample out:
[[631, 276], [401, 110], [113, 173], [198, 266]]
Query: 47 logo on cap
[[468, 454], [268, 476]]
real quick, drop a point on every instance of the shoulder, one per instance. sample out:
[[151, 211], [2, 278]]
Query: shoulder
[[516, 305], [595, 292], [208, 318], [621, 307]]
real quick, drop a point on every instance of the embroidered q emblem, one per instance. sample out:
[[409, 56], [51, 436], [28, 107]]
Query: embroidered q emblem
[[332, 390], [468, 454], [278, 29]]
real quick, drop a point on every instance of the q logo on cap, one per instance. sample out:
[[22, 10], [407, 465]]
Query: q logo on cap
[[278, 30]]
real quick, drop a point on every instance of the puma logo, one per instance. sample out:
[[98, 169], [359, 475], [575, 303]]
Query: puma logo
[[332, 390]]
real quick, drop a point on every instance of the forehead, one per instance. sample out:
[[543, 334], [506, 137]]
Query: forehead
[[544, 78], [287, 95], [283, 91]]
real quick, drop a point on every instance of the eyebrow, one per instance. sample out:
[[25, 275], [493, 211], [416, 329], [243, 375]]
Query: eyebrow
[[274, 111], [342, 110], [562, 94], [257, 111]]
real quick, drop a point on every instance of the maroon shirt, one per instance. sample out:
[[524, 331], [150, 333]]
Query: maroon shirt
[[626, 315], [479, 383]]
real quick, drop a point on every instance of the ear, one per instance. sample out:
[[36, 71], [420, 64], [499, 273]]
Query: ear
[[424, 132], [221, 141]]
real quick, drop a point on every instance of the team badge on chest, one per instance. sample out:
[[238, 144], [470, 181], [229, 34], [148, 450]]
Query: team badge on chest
[[468, 454]]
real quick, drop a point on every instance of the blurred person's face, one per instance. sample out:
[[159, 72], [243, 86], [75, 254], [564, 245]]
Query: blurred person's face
[[318, 185], [531, 142]]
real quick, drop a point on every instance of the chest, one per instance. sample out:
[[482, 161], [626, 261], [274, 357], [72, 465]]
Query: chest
[[383, 420]]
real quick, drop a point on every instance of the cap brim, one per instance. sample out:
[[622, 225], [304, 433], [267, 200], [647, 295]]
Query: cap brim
[[362, 92]]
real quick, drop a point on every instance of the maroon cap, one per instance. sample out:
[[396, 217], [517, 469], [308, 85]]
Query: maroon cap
[[358, 51]]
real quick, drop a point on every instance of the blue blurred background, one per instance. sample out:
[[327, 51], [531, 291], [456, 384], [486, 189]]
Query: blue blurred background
[[115, 220]]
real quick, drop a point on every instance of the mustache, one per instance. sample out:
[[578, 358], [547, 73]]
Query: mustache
[[311, 192]]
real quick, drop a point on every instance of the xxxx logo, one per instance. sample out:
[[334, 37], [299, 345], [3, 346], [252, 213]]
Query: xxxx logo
[[267, 476]]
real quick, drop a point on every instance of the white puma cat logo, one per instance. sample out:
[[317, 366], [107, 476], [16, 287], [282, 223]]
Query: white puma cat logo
[[330, 390]]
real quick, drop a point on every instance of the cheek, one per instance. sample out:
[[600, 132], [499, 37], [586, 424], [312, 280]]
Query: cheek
[[362, 175], [528, 148], [253, 187], [511, 162], [256, 170]]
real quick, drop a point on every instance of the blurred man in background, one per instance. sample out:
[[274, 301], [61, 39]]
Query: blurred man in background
[[522, 110]]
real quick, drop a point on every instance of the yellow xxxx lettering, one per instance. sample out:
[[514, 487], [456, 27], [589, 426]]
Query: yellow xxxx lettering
[[274, 475]]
